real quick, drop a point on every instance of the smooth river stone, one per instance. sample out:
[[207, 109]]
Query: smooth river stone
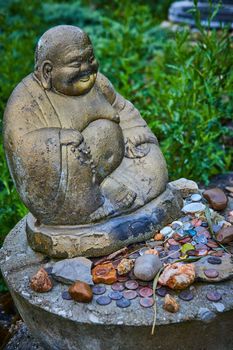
[[196, 197], [225, 269], [193, 208], [225, 235], [216, 198], [70, 270], [146, 267]]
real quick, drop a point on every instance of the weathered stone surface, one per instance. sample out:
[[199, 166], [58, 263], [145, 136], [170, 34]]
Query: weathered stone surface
[[225, 235], [216, 198], [104, 273], [71, 325], [170, 304], [70, 270], [41, 282], [184, 186], [225, 269], [177, 276], [147, 266], [81, 292], [109, 236], [125, 266]]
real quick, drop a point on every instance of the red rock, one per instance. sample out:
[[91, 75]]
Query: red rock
[[41, 282], [81, 291], [104, 273], [170, 304], [178, 276], [216, 198], [225, 235]]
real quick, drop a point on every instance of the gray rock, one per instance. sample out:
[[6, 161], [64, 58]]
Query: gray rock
[[70, 270], [225, 269], [184, 186], [146, 267]]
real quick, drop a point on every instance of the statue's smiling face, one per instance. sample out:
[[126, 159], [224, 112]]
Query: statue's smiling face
[[74, 73]]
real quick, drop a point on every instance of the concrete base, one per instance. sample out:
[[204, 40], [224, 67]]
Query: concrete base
[[59, 324], [107, 236]]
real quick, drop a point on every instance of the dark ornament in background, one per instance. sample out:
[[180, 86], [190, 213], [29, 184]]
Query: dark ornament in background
[[181, 12]]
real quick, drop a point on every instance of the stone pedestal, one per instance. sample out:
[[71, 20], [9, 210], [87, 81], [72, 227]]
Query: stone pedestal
[[61, 324]]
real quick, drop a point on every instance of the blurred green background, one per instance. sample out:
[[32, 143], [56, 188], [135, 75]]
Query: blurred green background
[[181, 81]]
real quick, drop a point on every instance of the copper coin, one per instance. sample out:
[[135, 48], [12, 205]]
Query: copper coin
[[200, 246], [214, 260], [212, 244], [131, 284], [213, 296], [118, 286], [146, 292], [66, 295], [130, 294], [98, 289], [218, 253], [211, 273], [103, 300], [122, 278], [115, 295], [146, 302], [123, 303], [162, 291], [171, 241], [186, 295]]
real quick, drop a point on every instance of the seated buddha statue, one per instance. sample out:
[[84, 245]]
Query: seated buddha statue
[[78, 152]]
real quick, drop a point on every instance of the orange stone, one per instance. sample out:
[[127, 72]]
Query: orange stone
[[170, 304], [151, 251], [178, 276], [41, 282], [81, 291], [158, 237], [104, 273]]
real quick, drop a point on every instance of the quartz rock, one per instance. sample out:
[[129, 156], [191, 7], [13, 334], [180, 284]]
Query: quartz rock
[[104, 273], [178, 276], [225, 235], [125, 266], [81, 291], [184, 186], [170, 304], [193, 208], [216, 198], [147, 266], [41, 282], [225, 269], [70, 270]]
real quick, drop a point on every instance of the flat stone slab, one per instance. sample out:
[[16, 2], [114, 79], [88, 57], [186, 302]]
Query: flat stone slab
[[66, 324], [109, 235]]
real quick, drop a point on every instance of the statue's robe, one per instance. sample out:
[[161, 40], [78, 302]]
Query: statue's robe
[[51, 181]]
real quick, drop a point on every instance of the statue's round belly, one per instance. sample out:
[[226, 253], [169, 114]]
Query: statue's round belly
[[105, 139]]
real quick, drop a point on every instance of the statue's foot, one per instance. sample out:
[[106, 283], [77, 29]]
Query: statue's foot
[[101, 213], [125, 198]]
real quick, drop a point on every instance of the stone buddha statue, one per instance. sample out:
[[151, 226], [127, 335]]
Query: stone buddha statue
[[78, 152]]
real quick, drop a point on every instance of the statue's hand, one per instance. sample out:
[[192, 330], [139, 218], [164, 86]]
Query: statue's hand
[[71, 137], [138, 146]]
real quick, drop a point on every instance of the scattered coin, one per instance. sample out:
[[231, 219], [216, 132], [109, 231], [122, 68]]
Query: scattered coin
[[213, 296], [98, 289], [131, 284], [186, 295], [122, 278], [146, 302], [118, 286], [146, 292], [162, 291], [103, 300], [214, 260], [115, 295], [211, 273], [130, 294], [212, 244], [217, 253], [123, 303], [66, 295]]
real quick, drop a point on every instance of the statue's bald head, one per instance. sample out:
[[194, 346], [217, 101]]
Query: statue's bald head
[[65, 61], [58, 39]]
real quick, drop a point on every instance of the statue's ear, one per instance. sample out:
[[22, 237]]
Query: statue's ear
[[46, 78]]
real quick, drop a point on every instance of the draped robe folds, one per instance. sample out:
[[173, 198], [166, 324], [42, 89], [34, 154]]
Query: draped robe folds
[[51, 181]]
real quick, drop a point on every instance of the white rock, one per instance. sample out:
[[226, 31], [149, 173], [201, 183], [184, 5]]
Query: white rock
[[219, 307], [166, 230], [196, 197], [184, 186], [193, 208]]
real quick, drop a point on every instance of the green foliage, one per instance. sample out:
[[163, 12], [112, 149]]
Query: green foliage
[[180, 81]]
